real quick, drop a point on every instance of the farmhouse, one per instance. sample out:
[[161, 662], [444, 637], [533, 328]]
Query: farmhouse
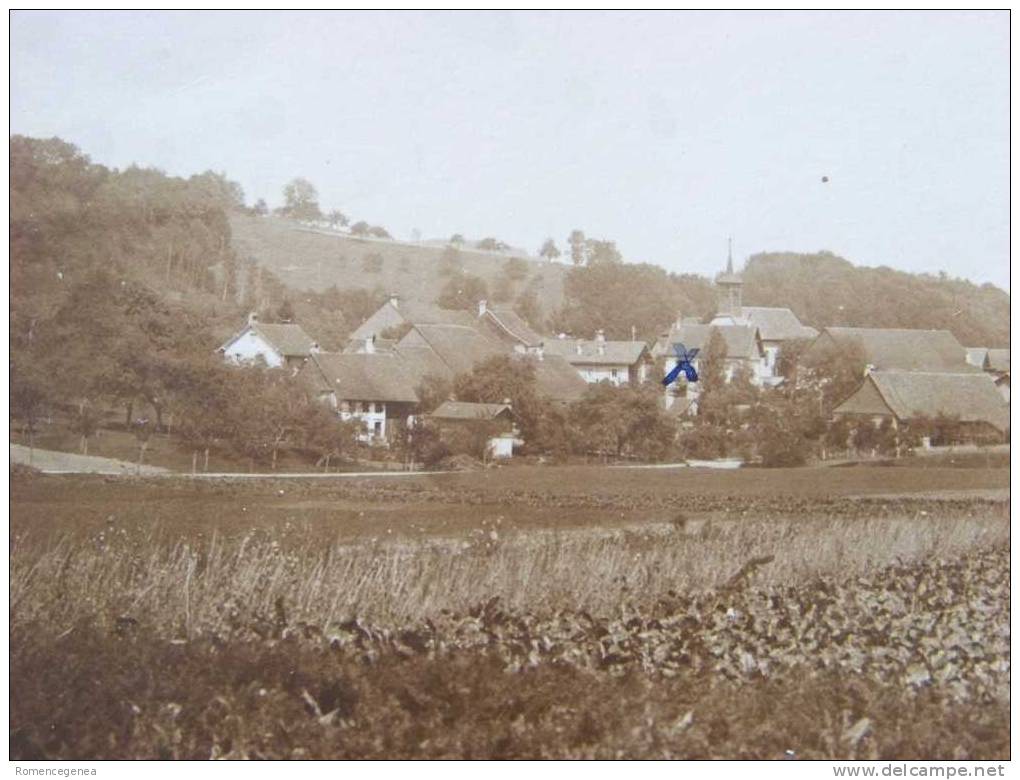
[[898, 349], [496, 420], [375, 389], [994, 362], [744, 348], [279, 345], [447, 350], [972, 399], [599, 360], [397, 312]]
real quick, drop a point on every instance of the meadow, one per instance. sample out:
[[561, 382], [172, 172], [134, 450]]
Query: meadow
[[518, 612]]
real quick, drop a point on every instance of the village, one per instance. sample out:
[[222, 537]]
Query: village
[[909, 377]]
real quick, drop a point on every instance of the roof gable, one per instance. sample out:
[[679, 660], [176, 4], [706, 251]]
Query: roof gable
[[777, 324], [970, 397], [587, 352], [361, 377], [904, 349], [464, 410]]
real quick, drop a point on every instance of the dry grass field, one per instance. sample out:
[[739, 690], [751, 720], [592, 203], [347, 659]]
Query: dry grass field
[[517, 612]]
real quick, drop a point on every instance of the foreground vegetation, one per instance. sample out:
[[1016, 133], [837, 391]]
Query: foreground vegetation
[[691, 623]]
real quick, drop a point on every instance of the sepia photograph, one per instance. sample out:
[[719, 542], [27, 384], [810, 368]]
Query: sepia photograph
[[510, 385]]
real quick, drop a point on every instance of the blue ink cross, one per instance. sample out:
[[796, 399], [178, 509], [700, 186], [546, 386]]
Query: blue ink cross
[[683, 363]]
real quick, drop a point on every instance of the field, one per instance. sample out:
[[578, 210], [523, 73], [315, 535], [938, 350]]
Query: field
[[517, 612], [313, 260]]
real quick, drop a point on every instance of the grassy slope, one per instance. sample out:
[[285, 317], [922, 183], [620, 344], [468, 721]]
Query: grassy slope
[[313, 260]]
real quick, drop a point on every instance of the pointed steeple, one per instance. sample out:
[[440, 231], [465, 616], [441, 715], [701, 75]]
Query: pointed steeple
[[729, 284]]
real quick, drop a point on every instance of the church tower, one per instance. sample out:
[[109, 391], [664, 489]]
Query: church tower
[[730, 285]]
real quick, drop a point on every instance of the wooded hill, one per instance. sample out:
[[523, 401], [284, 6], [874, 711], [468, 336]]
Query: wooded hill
[[824, 289], [196, 246]]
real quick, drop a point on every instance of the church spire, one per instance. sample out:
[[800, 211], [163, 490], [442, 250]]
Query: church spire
[[729, 255]]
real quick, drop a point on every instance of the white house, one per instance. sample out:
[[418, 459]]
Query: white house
[[599, 360], [278, 345]]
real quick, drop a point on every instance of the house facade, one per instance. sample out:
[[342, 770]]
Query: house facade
[[278, 345], [601, 360], [902, 397], [373, 389]]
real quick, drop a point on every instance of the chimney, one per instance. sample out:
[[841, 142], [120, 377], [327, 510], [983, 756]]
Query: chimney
[[678, 323], [600, 335], [579, 348], [253, 318], [370, 345], [600, 341], [482, 307], [395, 300]]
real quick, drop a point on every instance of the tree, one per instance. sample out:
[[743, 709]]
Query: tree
[[625, 419], [29, 394], [301, 200], [528, 307], [85, 423], [432, 391], [601, 252], [325, 433], [260, 209], [285, 311], [502, 378], [456, 239], [379, 232], [360, 228], [492, 245], [549, 250], [515, 269], [337, 219], [463, 291], [578, 247]]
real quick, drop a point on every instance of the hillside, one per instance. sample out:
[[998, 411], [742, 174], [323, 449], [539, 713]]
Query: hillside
[[309, 259], [824, 289]]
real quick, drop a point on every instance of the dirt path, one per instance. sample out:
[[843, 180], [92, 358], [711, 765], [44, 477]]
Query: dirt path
[[52, 462]]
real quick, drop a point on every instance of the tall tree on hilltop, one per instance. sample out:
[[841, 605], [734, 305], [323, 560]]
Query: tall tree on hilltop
[[301, 200], [578, 248], [549, 250]]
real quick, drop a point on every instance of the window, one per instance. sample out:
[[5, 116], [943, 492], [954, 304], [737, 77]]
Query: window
[[615, 374], [377, 428], [371, 407], [357, 407]]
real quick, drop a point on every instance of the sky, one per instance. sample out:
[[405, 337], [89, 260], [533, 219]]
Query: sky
[[665, 132]]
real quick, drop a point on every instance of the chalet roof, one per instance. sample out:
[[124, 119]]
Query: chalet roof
[[289, 339], [511, 322], [742, 341], [420, 362], [971, 397], [903, 349], [460, 347], [777, 324], [556, 379], [356, 346], [364, 377], [586, 352], [997, 360], [426, 313], [463, 410]]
